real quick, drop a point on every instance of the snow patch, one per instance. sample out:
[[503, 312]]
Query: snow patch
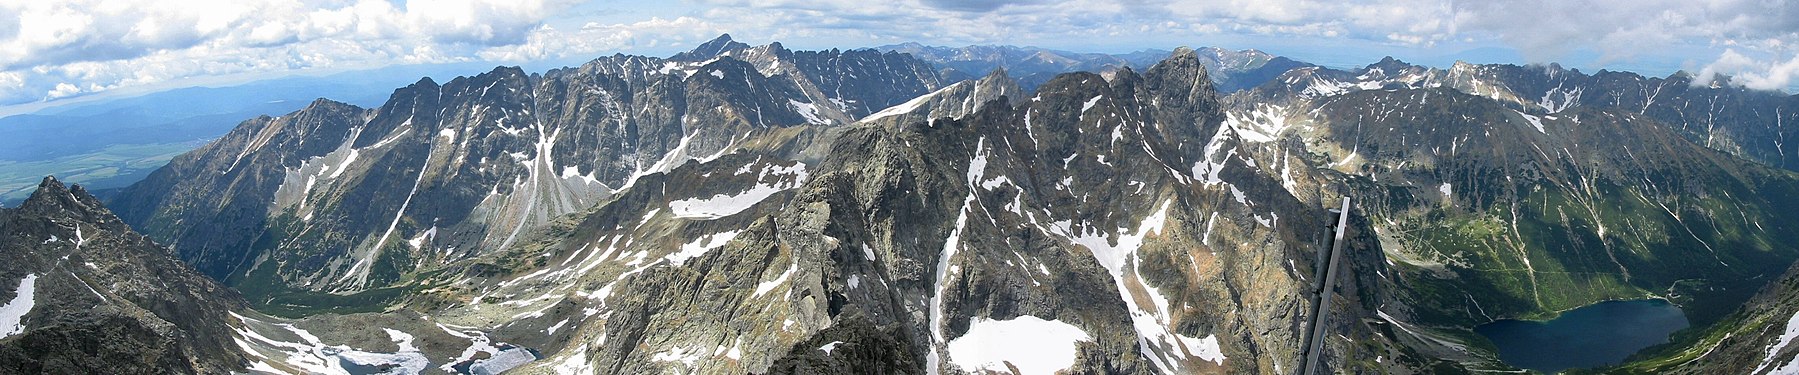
[[575, 363], [345, 165], [1534, 121], [13, 313], [1321, 88], [1559, 99], [996, 182], [722, 205], [1111, 256], [501, 358], [829, 347], [768, 286], [1151, 323], [1258, 126], [1204, 348], [977, 167], [1029, 343], [557, 326], [909, 105], [1786, 338], [678, 354], [809, 111], [700, 246], [311, 355], [736, 351], [416, 242]]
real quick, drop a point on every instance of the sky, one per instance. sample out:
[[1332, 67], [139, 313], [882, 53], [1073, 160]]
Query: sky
[[53, 51]]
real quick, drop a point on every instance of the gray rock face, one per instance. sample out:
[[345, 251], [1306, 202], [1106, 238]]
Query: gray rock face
[[87, 295]]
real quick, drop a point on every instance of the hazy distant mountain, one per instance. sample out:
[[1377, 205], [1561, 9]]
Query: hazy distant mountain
[[1231, 70]]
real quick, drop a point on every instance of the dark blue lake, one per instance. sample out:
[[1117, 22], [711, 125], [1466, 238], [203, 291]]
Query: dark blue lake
[[1600, 334]]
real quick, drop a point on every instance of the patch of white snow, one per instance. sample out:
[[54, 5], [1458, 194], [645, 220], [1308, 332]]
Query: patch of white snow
[[1028, 343]]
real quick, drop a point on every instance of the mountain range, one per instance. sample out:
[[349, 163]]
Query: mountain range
[[1231, 71], [912, 209]]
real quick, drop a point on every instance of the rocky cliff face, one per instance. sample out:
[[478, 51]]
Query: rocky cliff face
[[85, 294]]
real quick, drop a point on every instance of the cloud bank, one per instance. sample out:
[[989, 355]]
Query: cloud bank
[[59, 49], [55, 49]]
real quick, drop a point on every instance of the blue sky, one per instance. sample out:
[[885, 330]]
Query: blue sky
[[53, 51]]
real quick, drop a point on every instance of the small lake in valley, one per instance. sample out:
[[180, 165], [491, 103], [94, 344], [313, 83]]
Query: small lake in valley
[[1600, 334]]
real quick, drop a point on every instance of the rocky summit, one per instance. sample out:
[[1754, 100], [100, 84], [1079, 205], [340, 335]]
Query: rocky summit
[[753, 209], [86, 294]]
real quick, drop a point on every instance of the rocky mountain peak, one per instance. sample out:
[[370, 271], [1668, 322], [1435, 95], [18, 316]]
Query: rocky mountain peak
[[49, 186], [85, 280], [324, 103], [996, 72], [424, 82], [998, 82], [716, 47], [1389, 64], [1123, 77], [52, 198], [1182, 89], [1183, 64], [1183, 52], [1557, 68]]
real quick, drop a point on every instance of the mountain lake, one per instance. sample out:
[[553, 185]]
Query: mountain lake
[[1600, 334]]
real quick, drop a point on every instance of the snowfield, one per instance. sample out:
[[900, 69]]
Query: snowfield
[[1033, 345], [722, 205], [13, 313]]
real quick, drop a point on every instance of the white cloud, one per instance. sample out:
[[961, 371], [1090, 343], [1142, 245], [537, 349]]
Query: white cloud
[[68, 47], [10, 81], [1755, 73], [595, 39], [63, 90]]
